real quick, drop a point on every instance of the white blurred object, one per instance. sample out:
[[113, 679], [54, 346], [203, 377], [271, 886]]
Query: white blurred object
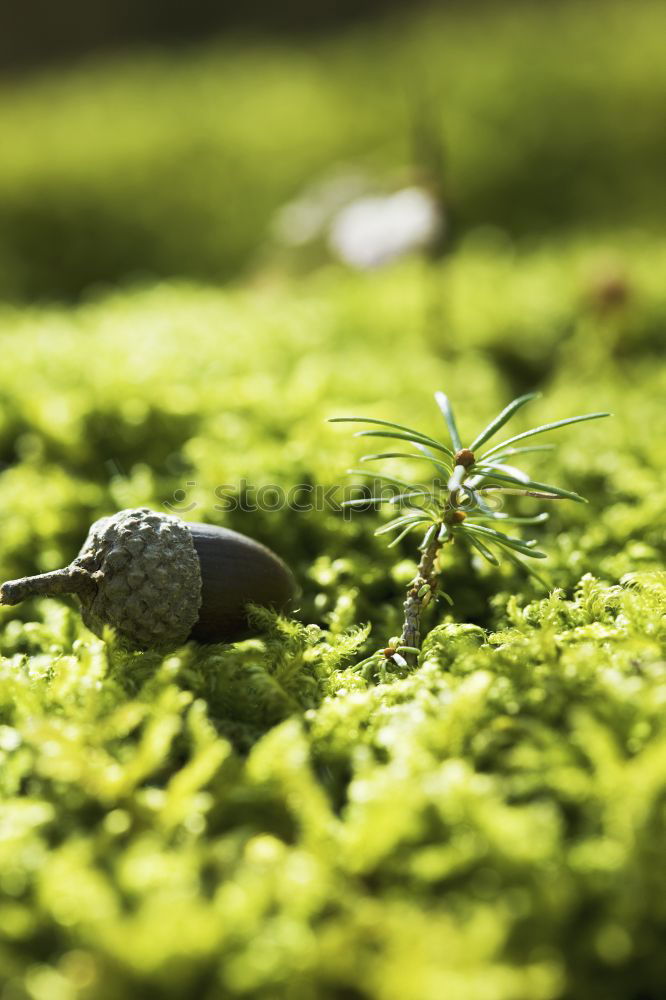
[[372, 231]]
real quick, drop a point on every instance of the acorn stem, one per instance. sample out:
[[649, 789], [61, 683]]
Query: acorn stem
[[71, 580]]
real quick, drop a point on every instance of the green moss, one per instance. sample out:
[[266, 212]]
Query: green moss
[[259, 820], [504, 799]]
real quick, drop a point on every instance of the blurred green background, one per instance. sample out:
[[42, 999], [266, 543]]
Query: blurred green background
[[153, 163], [178, 311]]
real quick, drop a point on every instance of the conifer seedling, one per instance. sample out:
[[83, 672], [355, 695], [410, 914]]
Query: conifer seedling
[[462, 504]]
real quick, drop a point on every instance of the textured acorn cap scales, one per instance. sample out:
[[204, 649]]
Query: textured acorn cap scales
[[159, 581]]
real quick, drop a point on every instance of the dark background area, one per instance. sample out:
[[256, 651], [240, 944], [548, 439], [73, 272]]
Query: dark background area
[[41, 32]]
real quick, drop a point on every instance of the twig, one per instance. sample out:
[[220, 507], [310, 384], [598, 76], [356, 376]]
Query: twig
[[420, 593]]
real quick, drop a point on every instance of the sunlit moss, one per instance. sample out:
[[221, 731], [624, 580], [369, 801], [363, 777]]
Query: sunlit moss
[[259, 820]]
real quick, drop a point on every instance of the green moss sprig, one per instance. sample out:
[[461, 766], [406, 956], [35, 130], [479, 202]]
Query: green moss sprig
[[461, 504]]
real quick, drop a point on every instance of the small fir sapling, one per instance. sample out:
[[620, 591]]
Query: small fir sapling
[[461, 504]]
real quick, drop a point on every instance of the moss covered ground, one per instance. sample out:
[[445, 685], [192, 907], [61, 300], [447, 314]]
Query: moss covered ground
[[257, 820]]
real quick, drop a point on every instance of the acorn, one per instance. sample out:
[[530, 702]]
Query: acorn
[[159, 581]]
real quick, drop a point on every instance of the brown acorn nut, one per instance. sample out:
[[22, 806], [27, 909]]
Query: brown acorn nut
[[159, 581]]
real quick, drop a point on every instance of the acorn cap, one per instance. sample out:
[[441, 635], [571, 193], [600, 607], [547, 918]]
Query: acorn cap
[[159, 581]]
